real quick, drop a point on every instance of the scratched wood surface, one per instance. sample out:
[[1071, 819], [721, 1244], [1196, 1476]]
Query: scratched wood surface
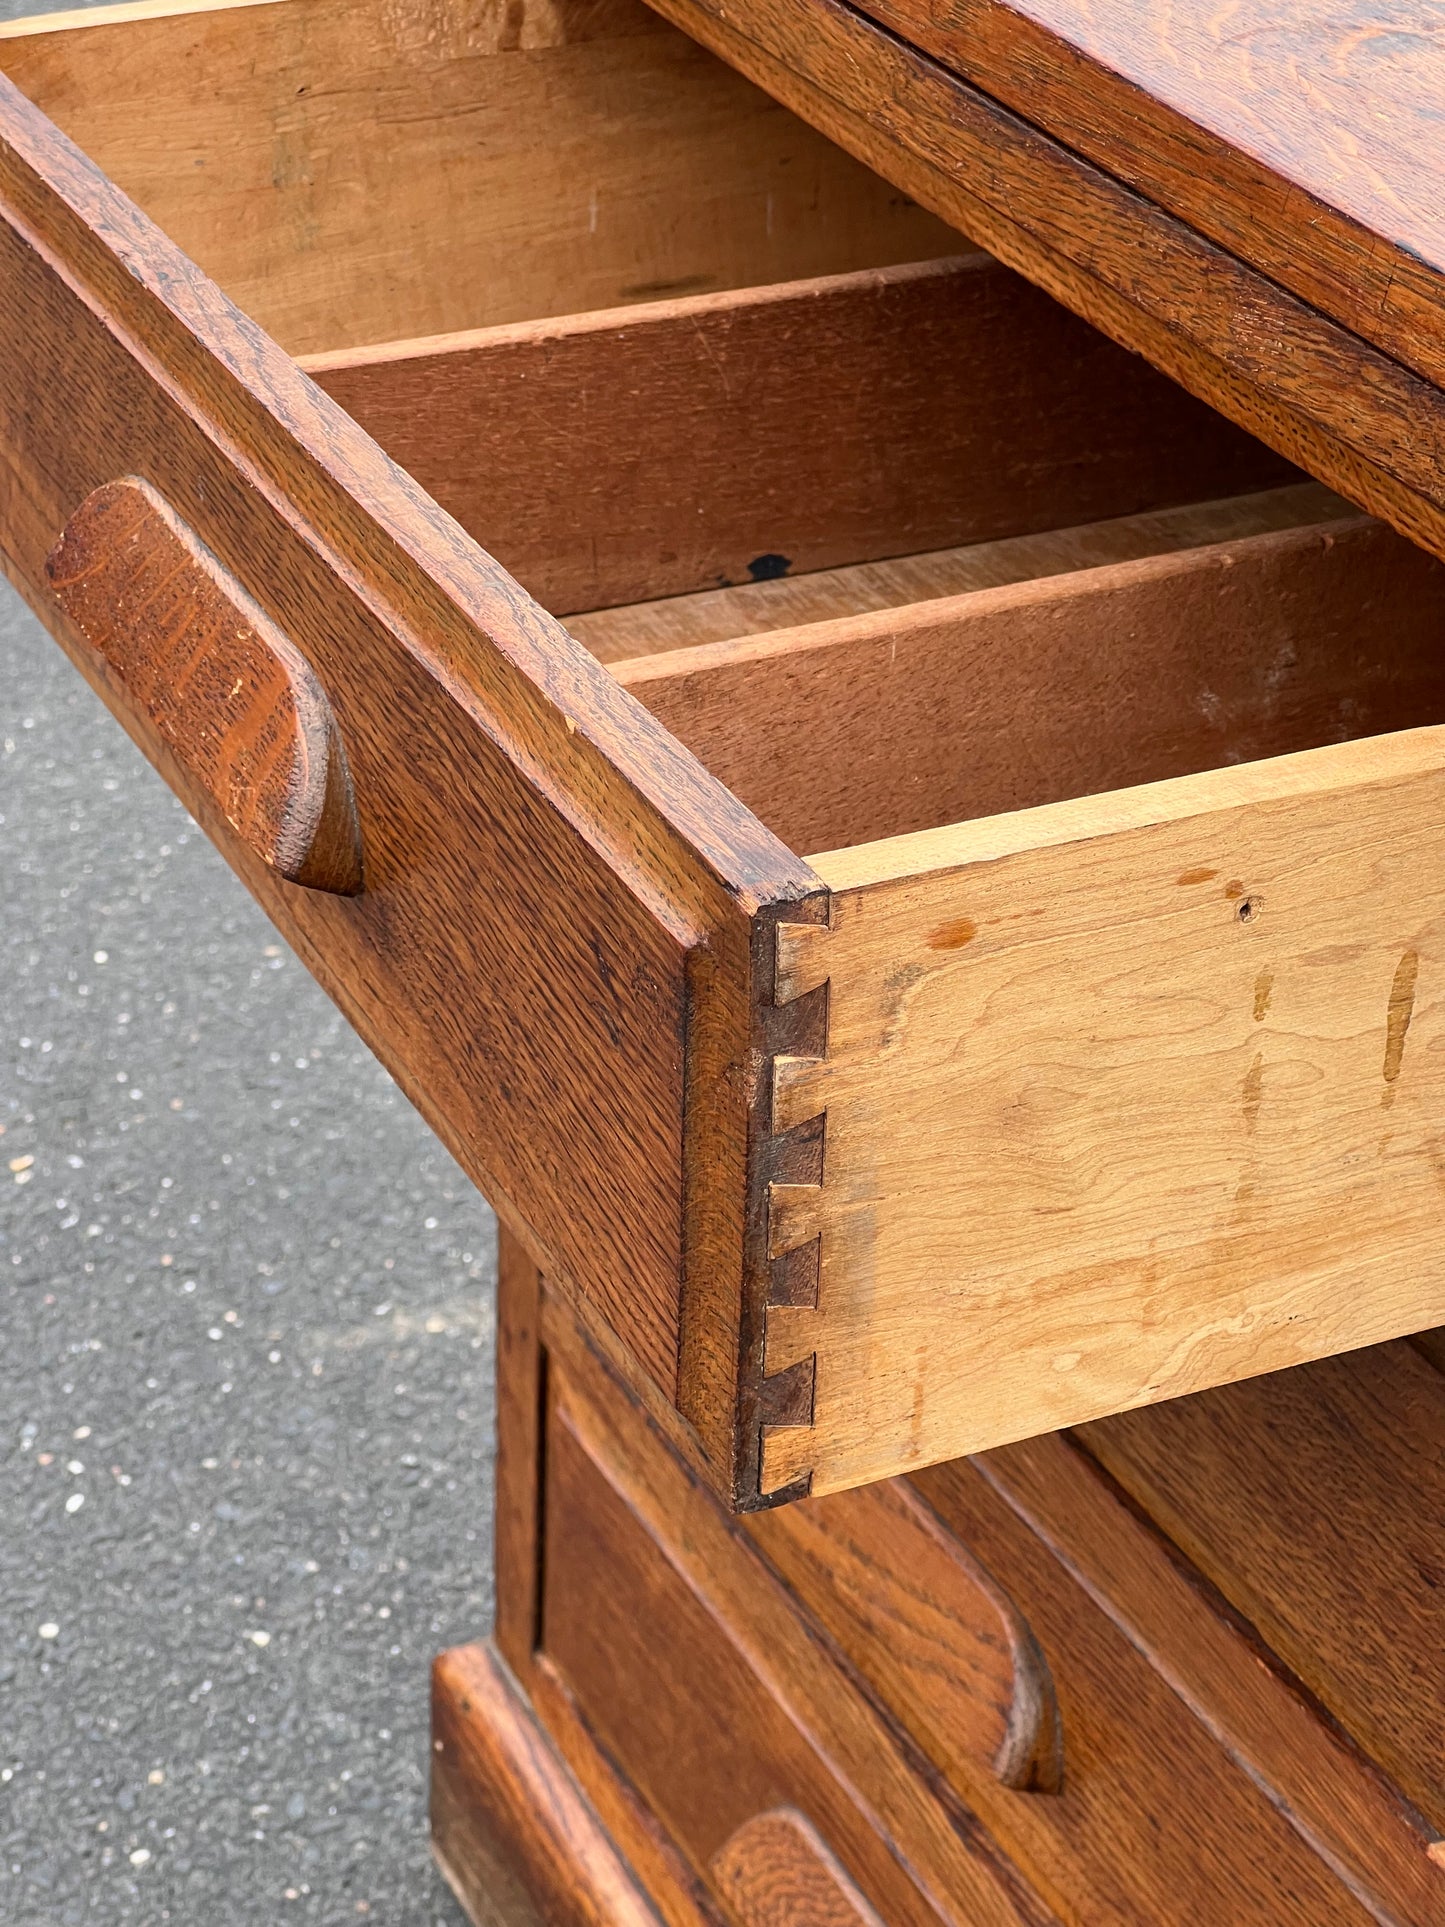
[[361, 170], [1121, 1098]]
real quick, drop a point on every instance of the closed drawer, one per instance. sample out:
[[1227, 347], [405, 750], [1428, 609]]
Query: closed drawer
[[945, 942]]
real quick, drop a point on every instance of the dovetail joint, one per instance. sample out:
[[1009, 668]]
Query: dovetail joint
[[799, 1130]]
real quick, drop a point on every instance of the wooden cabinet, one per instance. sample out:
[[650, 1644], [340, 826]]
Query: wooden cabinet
[[944, 944], [890, 817], [1178, 1666]]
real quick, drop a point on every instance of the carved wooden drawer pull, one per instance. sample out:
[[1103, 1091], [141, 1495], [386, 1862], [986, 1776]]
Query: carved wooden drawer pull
[[777, 1871], [936, 1636], [198, 665]]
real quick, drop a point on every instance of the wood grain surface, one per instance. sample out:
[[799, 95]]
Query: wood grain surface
[[559, 1041], [778, 1871], [1159, 1820], [233, 699], [625, 635], [1163, 1816], [1312, 1500], [1063, 686], [1302, 139], [512, 1831], [723, 438], [363, 170], [517, 1508], [1343, 409], [1318, 1765], [1121, 1098], [936, 1636], [821, 1742], [707, 1743]]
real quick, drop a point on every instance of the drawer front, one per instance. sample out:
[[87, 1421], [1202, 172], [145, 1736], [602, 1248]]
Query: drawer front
[[554, 928], [1196, 1782], [728, 1756]]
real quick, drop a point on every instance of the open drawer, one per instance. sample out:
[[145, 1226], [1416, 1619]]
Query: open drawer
[[1097, 1058]]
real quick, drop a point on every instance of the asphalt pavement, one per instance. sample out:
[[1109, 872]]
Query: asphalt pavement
[[246, 1320]]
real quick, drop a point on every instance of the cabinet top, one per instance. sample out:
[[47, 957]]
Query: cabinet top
[[1306, 139]]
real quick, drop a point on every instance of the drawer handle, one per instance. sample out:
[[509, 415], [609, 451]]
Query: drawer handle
[[777, 1871], [196, 663]]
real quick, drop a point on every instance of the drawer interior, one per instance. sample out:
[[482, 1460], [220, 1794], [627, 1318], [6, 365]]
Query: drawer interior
[[882, 533], [354, 171]]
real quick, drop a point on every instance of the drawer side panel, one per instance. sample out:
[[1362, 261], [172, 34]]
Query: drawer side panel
[[1125, 1098]]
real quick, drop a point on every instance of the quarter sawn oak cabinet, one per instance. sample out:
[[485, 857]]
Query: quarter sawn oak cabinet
[[888, 803]]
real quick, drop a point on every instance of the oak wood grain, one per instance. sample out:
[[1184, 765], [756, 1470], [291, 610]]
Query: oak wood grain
[[511, 1829], [559, 1040], [1161, 1817], [1312, 1501], [1328, 1786], [233, 699], [1156, 1821], [707, 1740], [1301, 140], [521, 1379], [782, 1654], [778, 1871], [364, 170], [932, 1632], [624, 636], [1121, 1098], [1063, 686], [1346, 412], [630, 454]]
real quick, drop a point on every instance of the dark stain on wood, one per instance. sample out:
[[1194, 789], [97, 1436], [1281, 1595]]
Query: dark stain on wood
[[953, 935], [1263, 990], [1400, 1010]]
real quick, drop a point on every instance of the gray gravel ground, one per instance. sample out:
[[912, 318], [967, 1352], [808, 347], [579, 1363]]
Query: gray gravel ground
[[245, 1390]]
